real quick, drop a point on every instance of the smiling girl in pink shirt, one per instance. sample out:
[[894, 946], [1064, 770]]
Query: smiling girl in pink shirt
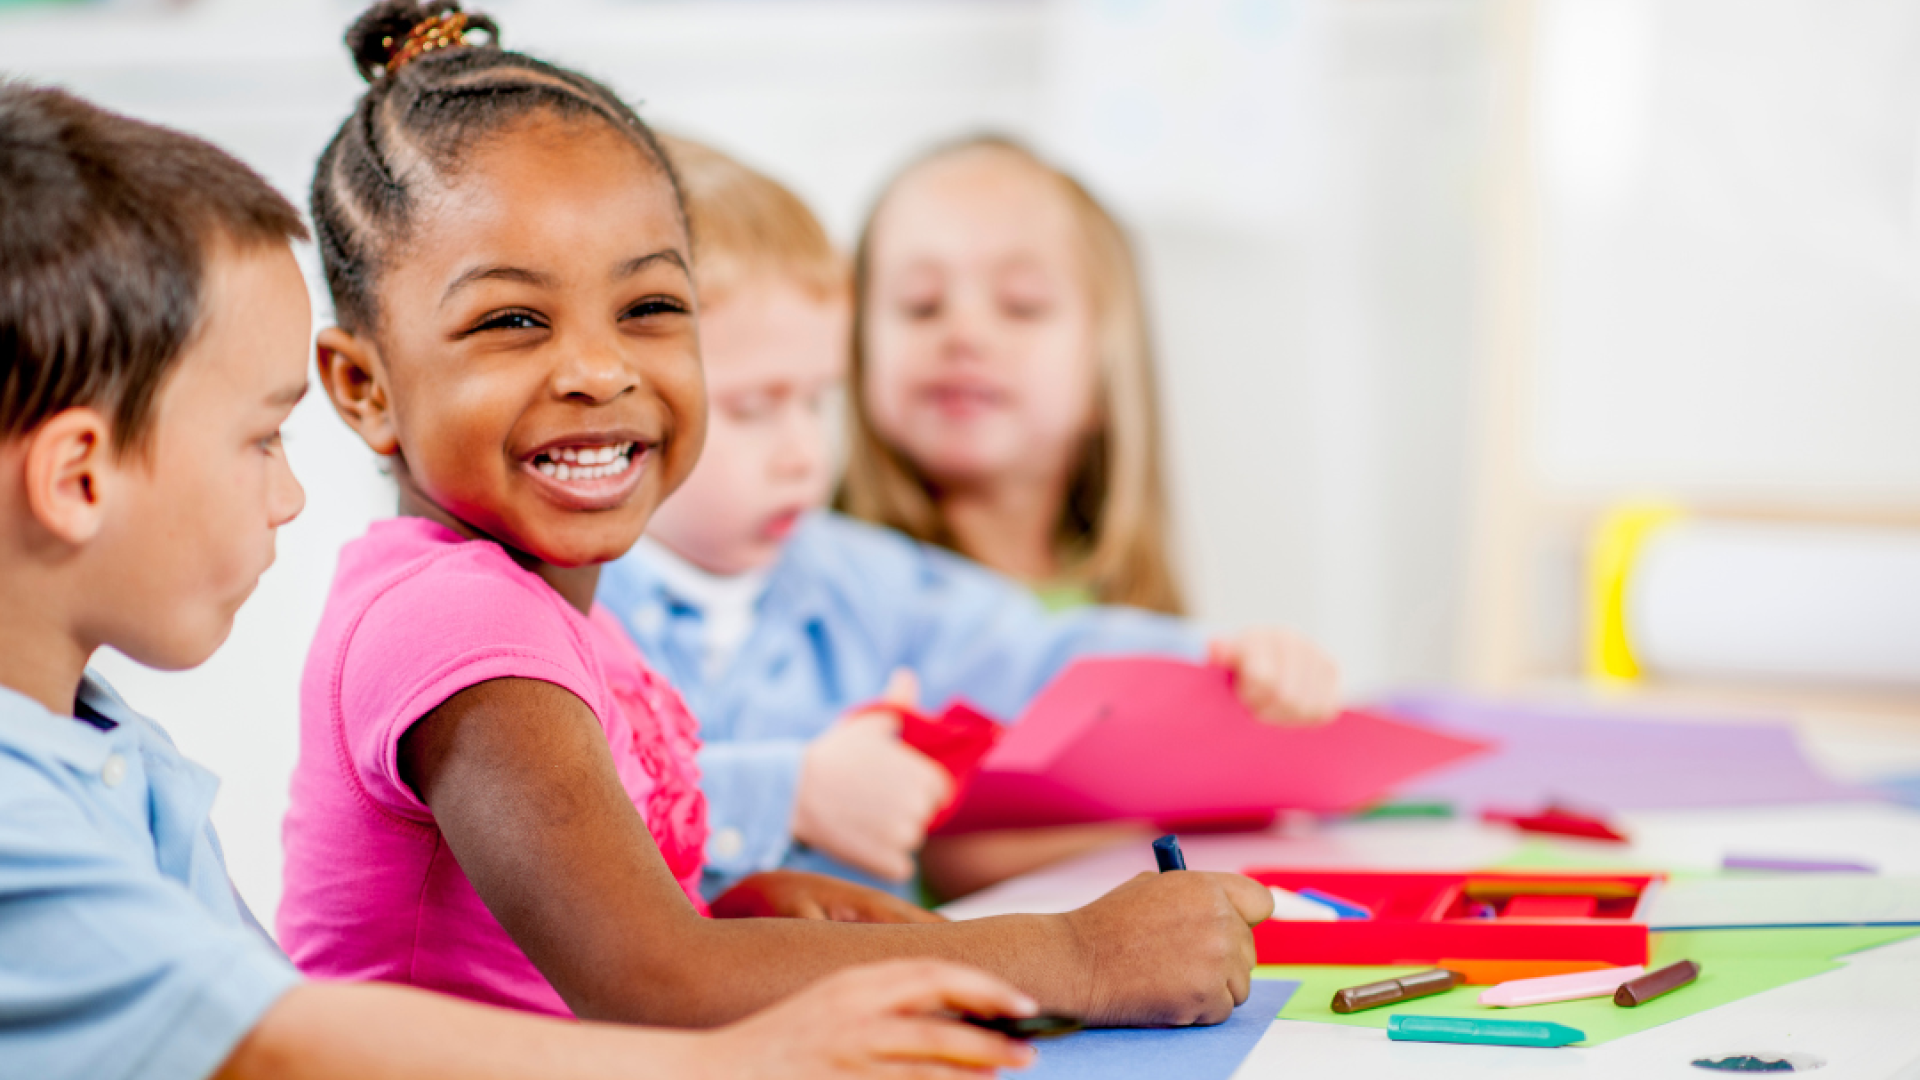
[[495, 796]]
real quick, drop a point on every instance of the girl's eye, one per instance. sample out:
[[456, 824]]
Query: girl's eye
[[1022, 305], [746, 408], [270, 443], [916, 308], [654, 306], [509, 320]]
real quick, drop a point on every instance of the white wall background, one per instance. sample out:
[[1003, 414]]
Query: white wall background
[[1731, 291], [1316, 445], [1732, 251]]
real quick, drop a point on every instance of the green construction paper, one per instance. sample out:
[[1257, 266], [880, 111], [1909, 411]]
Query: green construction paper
[[1402, 810], [1733, 964], [1574, 856]]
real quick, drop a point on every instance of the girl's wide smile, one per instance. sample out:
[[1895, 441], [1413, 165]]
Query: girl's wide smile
[[589, 472]]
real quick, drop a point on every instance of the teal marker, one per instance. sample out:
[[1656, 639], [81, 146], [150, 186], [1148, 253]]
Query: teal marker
[[1447, 1029]]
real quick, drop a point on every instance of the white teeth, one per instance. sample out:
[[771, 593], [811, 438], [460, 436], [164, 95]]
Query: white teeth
[[585, 462]]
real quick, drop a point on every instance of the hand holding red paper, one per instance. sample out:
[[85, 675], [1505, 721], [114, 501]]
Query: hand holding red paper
[[866, 797], [1135, 738], [1281, 677]]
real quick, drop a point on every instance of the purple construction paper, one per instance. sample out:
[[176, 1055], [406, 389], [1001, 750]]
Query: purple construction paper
[[1194, 1053], [1589, 760], [1775, 864]]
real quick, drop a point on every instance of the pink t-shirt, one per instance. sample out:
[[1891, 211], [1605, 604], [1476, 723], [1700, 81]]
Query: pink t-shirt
[[417, 615]]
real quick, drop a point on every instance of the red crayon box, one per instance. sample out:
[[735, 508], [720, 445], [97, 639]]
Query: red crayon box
[[1427, 918]]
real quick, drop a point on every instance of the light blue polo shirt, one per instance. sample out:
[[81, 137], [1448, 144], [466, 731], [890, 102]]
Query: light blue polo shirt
[[846, 604], [124, 950]]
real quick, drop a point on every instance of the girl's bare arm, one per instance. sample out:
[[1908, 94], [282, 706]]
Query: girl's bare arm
[[520, 781]]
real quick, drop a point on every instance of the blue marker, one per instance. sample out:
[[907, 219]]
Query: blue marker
[[1447, 1029], [1346, 909], [1166, 852]]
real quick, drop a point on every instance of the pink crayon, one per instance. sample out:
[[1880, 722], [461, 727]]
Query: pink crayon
[[1580, 984]]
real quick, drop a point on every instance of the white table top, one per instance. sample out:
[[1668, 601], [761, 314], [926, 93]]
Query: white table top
[[1863, 1019]]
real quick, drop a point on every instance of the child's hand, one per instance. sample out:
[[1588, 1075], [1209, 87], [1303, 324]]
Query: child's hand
[[1282, 677], [793, 894], [1170, 949], [865, 797], [881, 1020]]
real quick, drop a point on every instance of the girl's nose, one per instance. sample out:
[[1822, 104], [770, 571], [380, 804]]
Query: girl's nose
[[963, 330], [593, 373]]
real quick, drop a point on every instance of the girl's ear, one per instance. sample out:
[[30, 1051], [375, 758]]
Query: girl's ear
[[350, 369], [70, 468]]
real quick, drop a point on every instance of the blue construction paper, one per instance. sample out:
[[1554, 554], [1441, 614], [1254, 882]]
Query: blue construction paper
[[1193, 1053]]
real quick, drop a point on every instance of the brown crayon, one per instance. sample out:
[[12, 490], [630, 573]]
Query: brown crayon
[[1655, 983], [1405, 988]]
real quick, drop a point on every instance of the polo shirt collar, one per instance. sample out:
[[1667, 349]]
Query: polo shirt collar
[[27, 724]]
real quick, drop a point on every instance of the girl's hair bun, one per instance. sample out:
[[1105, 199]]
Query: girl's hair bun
[[377, 37]]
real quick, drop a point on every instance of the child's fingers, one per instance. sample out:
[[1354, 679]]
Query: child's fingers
[[937, 1071], [925, 1040], [1249, 898], [1313, 685], [881, 907], [903, 688], [1283, 679], [882, 722], [930, 784], [1223, 652], [874, 906], [882, 860], [909, 987]]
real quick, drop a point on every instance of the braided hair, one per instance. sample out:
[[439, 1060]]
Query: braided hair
[[432, 92]]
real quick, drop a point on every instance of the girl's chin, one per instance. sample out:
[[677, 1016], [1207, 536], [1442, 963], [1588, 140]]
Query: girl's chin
[[575, 560], [972, 453], [573, 543], [968, 469]]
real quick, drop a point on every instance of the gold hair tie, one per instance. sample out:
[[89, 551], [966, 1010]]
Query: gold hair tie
[[447, 31]]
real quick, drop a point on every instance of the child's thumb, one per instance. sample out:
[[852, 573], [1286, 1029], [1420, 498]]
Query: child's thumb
[[903, 688]]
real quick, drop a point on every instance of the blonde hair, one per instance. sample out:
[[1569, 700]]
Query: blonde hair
[[1115, 517], [746, 225]]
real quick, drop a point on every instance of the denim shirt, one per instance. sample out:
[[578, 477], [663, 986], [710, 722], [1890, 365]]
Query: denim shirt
[[846, 604], [124, 950]]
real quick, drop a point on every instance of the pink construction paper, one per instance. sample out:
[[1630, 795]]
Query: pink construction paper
[[1119, 738]]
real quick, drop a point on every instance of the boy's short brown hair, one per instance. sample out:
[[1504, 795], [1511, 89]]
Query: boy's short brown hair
[[105, 228], [745, 224]]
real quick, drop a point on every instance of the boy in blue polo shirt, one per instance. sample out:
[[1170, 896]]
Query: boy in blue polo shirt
[[154, 330]]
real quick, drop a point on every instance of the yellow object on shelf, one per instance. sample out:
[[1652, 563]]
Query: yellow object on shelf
[[1622, 535]]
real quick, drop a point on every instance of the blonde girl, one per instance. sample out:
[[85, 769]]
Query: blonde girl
[[1004, 379]]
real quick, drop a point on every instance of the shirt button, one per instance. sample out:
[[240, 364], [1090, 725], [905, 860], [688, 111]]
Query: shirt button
[[727, 843], [114, 771], [649, 620]]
